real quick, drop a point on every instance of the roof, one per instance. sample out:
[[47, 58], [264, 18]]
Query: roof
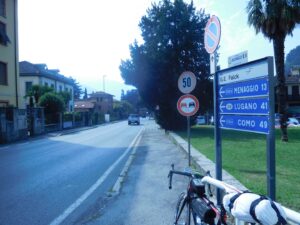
[[83, 105], [30, 69], [292, 80], [99, 94]]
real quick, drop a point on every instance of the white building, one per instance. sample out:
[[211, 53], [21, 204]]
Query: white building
[[39, 74]]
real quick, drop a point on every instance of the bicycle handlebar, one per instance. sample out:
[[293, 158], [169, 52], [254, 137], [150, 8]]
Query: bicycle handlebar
[[292, 216]]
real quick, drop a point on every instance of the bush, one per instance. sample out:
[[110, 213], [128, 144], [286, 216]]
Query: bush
[[52, 103]]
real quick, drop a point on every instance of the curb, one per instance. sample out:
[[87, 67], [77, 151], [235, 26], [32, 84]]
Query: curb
[[117, 186], [202, 162]]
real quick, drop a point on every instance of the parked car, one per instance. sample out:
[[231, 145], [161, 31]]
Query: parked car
[[200, 120], [133, 119], [293, 122]]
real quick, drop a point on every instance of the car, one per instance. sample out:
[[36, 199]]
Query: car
[[293, 122], [200, 120], [133, 119]]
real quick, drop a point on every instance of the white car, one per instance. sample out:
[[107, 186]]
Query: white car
[[134, 119], [293, 122]]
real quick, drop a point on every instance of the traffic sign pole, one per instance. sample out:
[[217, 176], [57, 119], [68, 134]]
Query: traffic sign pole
[[217, 131], [189, 138], [271, 160]]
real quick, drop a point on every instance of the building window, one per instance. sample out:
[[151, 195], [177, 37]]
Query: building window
[[52, 86], [3, 37], [46, 84], [2, 8], [3, 73], [295, 90], [60, 88], [28, 86]]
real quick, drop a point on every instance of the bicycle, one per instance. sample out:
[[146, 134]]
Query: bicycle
[[194, 203]]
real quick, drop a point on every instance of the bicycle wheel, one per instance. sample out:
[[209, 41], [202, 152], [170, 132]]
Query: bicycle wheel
[[183, 212]]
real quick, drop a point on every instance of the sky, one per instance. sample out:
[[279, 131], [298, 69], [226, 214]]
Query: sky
[[88, 40]]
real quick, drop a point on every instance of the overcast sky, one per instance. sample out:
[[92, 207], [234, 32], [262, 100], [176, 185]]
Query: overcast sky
[[87, 39]]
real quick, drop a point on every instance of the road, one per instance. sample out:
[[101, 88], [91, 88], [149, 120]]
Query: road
[[56, 180]]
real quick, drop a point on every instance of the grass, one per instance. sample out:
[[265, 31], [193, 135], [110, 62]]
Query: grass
[[244, 156]]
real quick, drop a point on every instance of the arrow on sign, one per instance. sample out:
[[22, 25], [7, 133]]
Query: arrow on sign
[[221, 92], [222, 121], [222, 106]]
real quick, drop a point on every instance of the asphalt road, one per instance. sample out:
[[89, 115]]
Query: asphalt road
[[58, 180]]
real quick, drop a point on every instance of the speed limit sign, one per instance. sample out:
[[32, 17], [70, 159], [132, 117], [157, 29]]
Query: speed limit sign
[[187, 82]]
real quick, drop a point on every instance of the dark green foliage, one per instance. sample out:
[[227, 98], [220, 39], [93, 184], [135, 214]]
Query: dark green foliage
[[65, 95], [275, 20], [133, 98], [173, 43], [292, 59], [121, 109], [77, 89], [36, 92], [52, 102]]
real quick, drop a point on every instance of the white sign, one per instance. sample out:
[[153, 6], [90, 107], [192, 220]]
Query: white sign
[[243, 73], [187, 82], [187, 105], [238, 59]]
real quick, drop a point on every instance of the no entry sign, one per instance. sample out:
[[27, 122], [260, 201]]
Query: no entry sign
[[188, 105], [212, 34]]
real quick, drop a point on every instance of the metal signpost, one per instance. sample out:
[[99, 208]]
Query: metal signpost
[[245, 101], [187, 104], [212, 38]]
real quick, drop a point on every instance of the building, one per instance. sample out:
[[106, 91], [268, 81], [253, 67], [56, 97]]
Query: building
[[293, 91], [103, 101], [9, 68], [39, 74]]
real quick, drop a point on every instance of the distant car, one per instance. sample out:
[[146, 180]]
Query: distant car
[[200, 120], [133, 119], [293, 122]]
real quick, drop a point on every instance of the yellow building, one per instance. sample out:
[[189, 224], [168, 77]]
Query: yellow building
[[9, 68]]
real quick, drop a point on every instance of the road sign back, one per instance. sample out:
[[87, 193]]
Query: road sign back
[[212, 34]]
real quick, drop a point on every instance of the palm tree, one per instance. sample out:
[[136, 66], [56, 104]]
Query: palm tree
[[276, 19]]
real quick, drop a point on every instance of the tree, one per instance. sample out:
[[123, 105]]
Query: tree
[[52, 102], [122, 109], [85, 95], [133, 97], [173, 43], [36, 91], [66, 96], [292, 59], [77, 88], [276, 19]]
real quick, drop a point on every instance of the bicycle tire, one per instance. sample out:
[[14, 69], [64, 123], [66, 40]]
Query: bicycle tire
[[183, 212]]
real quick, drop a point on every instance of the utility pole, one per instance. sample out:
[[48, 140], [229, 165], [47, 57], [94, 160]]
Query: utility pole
[[103, 82]]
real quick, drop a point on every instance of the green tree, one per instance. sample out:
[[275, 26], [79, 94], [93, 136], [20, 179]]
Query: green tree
[[173, 43], [66, 96], [122, 109], [36, 91], [77, 88], [292, 59], [276, 19], [53, 103]]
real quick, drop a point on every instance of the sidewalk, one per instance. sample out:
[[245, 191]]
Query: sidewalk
[[144, 197]]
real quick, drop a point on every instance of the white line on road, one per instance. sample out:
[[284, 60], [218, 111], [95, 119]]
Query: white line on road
[[83, 197]]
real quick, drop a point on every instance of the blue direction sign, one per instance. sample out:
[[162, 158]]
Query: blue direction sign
[[250, 88], [256, 124], [256, 106]]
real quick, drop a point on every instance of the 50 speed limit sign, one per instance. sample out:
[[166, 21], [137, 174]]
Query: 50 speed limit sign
[[187, 82]]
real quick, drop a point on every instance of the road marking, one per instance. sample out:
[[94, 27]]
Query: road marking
[[83, 197], [117, 186]]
